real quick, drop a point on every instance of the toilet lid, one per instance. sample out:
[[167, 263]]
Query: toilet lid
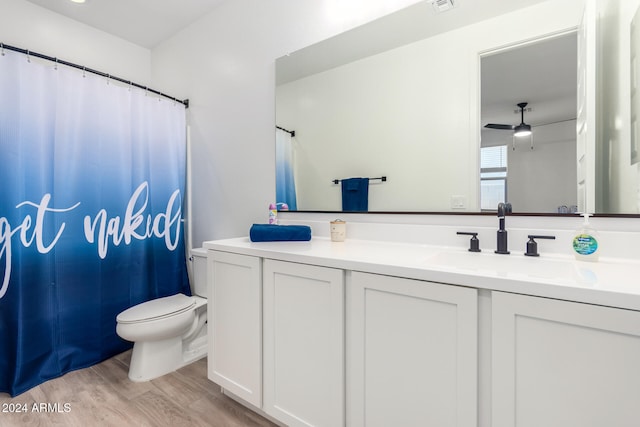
[[157, 308]]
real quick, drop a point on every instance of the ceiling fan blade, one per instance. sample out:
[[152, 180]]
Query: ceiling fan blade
[[499, 126], [553, 123]]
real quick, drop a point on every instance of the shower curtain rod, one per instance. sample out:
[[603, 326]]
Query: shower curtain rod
[[290, 132], [89, 70]]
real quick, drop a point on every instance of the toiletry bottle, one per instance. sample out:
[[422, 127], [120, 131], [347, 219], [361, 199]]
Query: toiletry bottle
[[273, 214], [585, 242]]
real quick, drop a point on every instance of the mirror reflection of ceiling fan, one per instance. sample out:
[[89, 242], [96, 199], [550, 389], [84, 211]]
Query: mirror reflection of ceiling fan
[[523, 129], [520, 130]]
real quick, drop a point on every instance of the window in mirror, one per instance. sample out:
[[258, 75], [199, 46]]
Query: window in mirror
[[493, 176]]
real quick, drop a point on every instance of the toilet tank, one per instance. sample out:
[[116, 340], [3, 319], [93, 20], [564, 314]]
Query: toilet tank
[[199, 272]]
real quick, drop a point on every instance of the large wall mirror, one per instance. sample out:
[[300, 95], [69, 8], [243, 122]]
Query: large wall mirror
[[408, 98]]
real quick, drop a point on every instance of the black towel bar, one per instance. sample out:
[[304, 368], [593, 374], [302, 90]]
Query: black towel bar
[[290, 132], [381, 178]]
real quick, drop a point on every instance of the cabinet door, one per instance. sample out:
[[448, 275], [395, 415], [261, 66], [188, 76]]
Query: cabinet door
[[560, 364], [304, 344], [412, 356], [234, 314]]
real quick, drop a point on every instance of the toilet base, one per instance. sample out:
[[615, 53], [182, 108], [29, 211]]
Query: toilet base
[[153, 359]]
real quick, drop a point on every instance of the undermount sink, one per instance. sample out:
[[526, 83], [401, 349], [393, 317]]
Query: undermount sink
[[514, 265]]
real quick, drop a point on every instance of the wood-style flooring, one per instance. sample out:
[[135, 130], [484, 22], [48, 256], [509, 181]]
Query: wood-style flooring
[[103, 395]]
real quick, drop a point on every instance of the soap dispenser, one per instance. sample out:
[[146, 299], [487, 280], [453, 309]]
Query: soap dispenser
[[585, 242]]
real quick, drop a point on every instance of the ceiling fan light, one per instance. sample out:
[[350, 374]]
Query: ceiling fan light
[[522, 130]]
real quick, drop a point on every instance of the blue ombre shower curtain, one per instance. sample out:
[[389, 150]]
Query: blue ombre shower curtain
[[285, 181], [92, 178]]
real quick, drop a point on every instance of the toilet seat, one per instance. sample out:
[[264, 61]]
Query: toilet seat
[[157, 309]]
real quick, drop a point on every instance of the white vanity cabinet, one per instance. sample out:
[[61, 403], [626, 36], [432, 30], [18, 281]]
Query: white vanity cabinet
[[412, 353], [303, 344], [559, 363], [365, 335], [234, 316]]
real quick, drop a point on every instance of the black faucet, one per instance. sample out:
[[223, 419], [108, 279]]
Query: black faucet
[[503, 210]]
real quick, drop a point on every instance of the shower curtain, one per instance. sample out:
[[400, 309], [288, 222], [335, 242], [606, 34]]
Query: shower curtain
[[92, 177], [285, 182]]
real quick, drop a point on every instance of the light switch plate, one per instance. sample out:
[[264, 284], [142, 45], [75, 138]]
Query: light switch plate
[[458, 202]]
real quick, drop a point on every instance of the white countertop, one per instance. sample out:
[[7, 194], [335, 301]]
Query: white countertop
[[608, 282]]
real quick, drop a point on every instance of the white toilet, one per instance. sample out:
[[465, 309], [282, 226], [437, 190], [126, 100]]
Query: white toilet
[[168, 333]]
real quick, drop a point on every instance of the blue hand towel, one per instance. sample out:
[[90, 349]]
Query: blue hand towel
[[279, 233], [355, 195]]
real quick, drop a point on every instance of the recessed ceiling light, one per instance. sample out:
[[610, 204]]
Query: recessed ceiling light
[[78, 1]]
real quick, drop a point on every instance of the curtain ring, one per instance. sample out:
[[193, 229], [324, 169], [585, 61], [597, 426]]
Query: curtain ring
[[55, 67], [146, 90], [28, 57], [84, 72], [130, 83], [2, 49], [108, 77]]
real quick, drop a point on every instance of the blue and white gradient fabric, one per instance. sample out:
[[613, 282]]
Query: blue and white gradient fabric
[[93, 177], [285, 180]]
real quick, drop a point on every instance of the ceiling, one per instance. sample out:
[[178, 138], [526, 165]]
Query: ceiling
[[149, 22], [142, 22], [543, 74]]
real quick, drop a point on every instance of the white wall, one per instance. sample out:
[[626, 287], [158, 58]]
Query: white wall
[[544, 178], [225, 65], [27, 26], [402, 114]]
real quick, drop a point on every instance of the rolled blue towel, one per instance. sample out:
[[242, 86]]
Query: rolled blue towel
[[279, 233]]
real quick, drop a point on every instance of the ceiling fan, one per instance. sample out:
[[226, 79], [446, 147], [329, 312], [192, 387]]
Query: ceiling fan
[[522, 129]]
